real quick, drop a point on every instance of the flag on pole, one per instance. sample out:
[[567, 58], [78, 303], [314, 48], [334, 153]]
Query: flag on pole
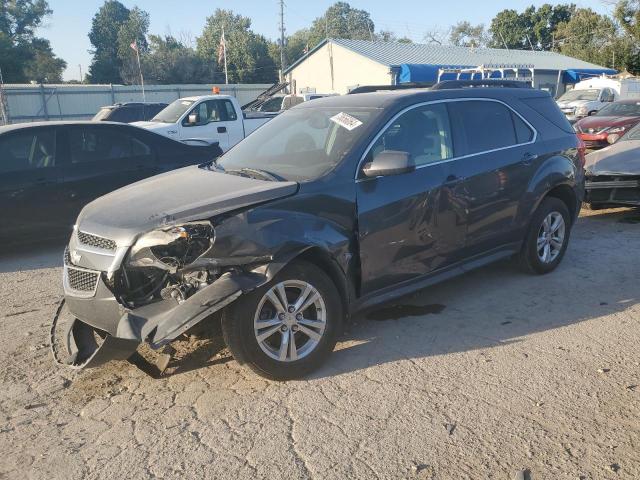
[[134, 45], [222, 48], [222, 55]]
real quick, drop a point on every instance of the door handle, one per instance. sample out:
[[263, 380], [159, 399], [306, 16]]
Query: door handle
[[222, 129], [528, 158]]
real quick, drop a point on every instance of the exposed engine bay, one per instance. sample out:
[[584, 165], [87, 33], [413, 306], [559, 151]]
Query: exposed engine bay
[[163, 265]]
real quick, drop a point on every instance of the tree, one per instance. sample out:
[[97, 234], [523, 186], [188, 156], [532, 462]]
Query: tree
[[463, 34], [342, 21], [104, 36], [627, 12], [132, 31], [532, 29], [594, 38], [23, 56], [169, 61], [44, 66], [248, 59]]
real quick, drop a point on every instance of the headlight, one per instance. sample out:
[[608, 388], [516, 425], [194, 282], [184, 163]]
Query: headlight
[[582, 111], [172, 248], [620, 129]]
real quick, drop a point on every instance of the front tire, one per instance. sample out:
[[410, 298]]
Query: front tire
[[547, 239], [287, 328]]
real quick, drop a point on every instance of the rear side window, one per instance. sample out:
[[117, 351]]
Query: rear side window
[[28, 150], [481, 126], [101, 145], [524, 133]]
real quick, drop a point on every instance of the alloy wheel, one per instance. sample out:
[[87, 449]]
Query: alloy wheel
[[551, 237], [290, 320]]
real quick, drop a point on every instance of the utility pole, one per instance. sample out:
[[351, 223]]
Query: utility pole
[[283, 59], [80, 67]]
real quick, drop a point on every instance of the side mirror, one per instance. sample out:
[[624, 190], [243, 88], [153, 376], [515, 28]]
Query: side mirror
[[389, 162], [193, 119]]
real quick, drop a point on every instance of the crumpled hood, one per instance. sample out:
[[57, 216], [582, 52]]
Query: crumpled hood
[[620, 158], [598, 123], [187, 194]]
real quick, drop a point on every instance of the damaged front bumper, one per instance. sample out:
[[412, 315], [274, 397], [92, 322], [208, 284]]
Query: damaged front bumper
[[102, 329]]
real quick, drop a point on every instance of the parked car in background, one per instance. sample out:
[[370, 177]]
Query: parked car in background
[[613, 173], [334, 206], [129, 112], [609, 124], [50, 170], [589, 96], [280, 103], [213, 118]]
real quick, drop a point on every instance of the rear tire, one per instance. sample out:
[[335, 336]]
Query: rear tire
[[547, 239], [258, 328]]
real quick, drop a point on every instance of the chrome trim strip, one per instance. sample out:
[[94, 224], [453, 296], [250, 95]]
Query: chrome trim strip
[[450, 100]]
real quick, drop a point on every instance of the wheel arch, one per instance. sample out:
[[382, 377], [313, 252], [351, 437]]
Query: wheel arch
[[325, 261]]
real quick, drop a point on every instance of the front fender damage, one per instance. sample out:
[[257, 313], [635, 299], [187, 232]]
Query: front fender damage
[[157, 323]]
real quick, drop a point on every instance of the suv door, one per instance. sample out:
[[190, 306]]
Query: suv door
[[407, 225], [29, 184], [101, 159], [497, 153], [211, 123]]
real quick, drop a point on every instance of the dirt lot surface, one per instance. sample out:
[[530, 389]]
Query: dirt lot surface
[[484, 376]]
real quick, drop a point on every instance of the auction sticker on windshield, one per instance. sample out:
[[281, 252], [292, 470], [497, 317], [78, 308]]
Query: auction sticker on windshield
[[347, 121]]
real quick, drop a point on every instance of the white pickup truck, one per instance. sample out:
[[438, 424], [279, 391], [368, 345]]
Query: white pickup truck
[[210, 118], [589, 96]]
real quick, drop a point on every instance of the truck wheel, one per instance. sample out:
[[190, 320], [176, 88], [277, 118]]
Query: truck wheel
[[287, 328], [547, 238]]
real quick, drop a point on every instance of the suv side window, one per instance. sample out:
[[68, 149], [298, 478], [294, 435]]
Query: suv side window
[[482, 126], [424, 132], [28, 150], [101, 144]]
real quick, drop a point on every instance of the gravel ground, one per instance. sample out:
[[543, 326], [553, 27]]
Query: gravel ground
[[481, 377]]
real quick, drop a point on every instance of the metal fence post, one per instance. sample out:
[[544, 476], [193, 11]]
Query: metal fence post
[[113, 95], [44, 102]]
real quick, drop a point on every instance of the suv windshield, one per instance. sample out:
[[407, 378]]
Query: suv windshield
[[102, 114], [620, 110], [300, 144], [572, 95], [173, 112]]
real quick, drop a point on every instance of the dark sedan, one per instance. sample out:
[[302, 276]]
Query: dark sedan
[[49, 171], [609, 124]]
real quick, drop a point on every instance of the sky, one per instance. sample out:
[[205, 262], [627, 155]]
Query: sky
[[67, 28]]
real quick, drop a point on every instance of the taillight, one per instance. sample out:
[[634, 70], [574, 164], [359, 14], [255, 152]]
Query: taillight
[[582, 152]]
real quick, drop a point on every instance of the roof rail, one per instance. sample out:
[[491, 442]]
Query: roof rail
[[488, 82], [400, 86]]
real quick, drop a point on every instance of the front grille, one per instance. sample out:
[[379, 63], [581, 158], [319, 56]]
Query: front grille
[[67, 257], [82, 280], [95, 241]]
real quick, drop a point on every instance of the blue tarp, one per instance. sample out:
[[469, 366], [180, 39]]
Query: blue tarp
[[415, 72], [576, 75]]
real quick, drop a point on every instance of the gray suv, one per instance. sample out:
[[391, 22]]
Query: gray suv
[[334, 206]]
